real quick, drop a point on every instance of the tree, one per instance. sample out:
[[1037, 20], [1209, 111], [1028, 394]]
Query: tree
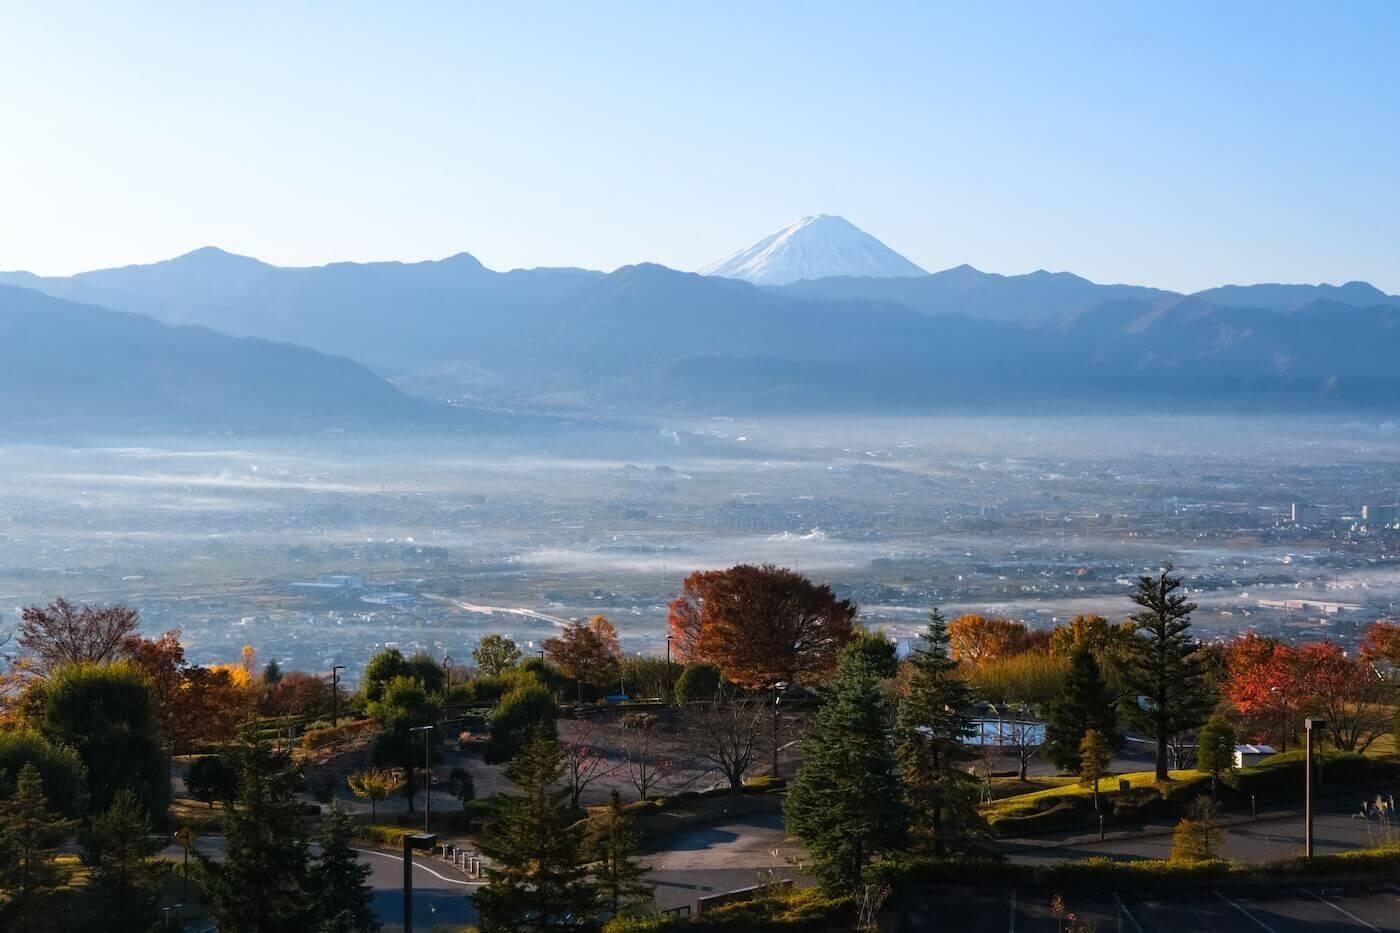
[[879, 651], [209, 778], [495, 654], [933, 731], [60, 769], [610, 842], [272, 672], [105, 713], [29, 835], [339, 881], [126, 879], [646, 754], [761, 625], [1084, 704], [1263, 684], [1197, 835], [584, 760], [1032, 677], [373, 785], [263, 883], [524, 712], [588, 652], [643, 677], [698, 682], [1382, 641], [404, 704], [1349, 693], [538, 878], [1095, 753], [1165, 673], [62, 633], [977, 639], [1215, 749], [298, 693], [727, 732], [845, 803]]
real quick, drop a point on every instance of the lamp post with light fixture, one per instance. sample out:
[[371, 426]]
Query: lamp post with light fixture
[[427, 773]]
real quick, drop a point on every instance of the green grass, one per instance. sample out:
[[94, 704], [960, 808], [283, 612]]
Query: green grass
[[1078, 796]]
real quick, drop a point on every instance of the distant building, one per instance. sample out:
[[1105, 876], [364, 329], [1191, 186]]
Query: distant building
[[1380, 514], [1305, 514], [1246, 755]]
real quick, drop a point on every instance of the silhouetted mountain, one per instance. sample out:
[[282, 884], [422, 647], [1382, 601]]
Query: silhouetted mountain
[[1037, 296], [390, 315], [76, 366], [1293, 297]]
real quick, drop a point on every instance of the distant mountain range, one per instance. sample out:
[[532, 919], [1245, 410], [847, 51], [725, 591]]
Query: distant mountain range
[[76, 367], [891, 338]]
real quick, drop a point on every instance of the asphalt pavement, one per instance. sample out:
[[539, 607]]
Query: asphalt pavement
[[715, 859], [1303, 909]]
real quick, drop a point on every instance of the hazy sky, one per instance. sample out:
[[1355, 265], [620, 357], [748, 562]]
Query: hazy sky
[[1169, 144]]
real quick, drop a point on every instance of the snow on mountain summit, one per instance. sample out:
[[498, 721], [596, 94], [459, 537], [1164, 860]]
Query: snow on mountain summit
[[813, 248]]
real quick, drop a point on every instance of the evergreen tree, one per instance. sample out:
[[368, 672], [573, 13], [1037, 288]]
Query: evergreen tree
[[1084, 703], [29, 833], [538, 877], [262, 883], [845, 803], [126, 880], [1165, 672], [339, 882], [1094, 756], [1215, 749], [933, 730], [610, 840]]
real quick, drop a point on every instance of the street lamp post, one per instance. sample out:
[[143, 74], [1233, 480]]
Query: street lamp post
[[669, 639], [427, 773], [411, 841], [1310, 726], [335, 693], [777, 702]]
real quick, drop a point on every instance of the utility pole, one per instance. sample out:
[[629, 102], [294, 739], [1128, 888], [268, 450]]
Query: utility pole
[[335, 694], [1310, 725], [427, 773], [669, 639]]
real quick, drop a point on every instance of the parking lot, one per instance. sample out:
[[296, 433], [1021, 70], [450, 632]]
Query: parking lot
[[1314, 908]]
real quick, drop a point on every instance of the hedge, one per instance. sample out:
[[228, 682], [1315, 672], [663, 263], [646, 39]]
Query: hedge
[[331, 735]]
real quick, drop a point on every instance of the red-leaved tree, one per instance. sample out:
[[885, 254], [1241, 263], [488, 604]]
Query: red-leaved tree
[[761, 625], [1263, 685]]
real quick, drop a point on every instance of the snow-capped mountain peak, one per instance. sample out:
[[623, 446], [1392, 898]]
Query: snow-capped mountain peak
[[813, 248]]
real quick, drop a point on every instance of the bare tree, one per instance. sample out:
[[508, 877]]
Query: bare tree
[[1022, 737], [62, 633], [728, 734], [584, 760], [645, 753]]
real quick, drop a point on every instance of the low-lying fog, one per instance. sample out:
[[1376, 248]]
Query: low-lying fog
[[431, 543]]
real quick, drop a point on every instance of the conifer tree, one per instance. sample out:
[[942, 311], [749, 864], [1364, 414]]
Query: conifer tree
[[339, 881], [1094, 756], [1215, 750], [1084, 703], [933, 730], [126, 879], [611, 840], [846, 803], [1165, 673], [262, 883], [29, 833], [538, 876]]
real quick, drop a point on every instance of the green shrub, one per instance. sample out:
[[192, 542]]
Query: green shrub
[[523, 712], [698, 682], [60, 769]]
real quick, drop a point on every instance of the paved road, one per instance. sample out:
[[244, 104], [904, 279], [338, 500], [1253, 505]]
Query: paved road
[[1261, 841], [1312, 909], [715, 859], [440, 893]]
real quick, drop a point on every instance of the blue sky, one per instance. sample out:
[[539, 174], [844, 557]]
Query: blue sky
[[1180, 145]]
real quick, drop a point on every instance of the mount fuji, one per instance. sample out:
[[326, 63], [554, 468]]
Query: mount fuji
[[814, 248]]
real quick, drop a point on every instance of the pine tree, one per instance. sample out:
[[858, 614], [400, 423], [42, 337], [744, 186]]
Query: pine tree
[[845, 803], [29, 834], [262, 883], [1165, 672], [126, 880], [538, 875], [933, 730], [339, 882], [1215, 750], [1084, 703], [611, 840]]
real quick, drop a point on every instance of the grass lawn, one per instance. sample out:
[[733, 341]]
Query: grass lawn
[[1070, 791], [1012, 787]]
